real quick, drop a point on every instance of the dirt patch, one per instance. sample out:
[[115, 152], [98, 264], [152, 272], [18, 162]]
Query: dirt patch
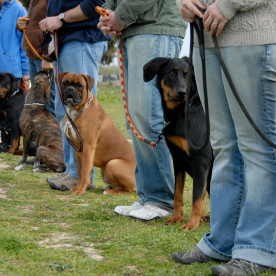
[[55, 242], [3, 193], [3, 165]]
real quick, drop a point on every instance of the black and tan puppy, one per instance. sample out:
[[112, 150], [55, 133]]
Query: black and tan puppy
[[12, 99], [40, 127], [104, 146], [172, 83]]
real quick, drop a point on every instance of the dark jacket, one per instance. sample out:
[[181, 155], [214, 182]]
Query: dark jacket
[[36, 12], [85, 30]]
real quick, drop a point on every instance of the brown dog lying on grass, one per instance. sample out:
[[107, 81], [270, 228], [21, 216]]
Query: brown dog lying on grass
[[104, 146], [41, 128]]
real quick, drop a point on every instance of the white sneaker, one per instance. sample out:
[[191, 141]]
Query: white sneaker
[[150, 212], [125, 210]]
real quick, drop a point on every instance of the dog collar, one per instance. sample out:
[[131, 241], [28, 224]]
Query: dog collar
[[87, 104], [34, 104]]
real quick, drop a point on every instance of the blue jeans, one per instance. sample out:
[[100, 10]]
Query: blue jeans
[[34, 67], [80, 58], [154, 175], [243, 184]]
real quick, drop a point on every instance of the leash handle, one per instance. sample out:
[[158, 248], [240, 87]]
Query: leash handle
[[103, 12]]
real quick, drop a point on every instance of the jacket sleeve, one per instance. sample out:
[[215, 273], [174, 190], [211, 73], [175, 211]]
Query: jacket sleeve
[[110, 5], [229, 8], [24, 58], [128, 11], [88, 7]]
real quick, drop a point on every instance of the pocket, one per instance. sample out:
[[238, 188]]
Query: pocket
[[98, 49], [10, 58]]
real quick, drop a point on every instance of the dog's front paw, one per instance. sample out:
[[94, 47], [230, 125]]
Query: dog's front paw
[[20, 167], [175, 219], [191, 225], [79, 192]]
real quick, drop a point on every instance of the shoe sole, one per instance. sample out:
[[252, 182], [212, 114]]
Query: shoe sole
[[156, 218], [64, 188]]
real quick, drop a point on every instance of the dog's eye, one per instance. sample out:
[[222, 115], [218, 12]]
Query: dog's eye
[[65, 83], [172, 73], [79, 86]]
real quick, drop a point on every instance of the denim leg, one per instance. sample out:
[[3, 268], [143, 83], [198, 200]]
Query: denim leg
[[154, 175], [81, 58], [244, 174], [34, 67]]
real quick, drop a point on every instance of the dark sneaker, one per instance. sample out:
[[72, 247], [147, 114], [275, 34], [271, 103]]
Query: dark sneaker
[[190, 257], [237, 267], [65, 182], [55, 177]]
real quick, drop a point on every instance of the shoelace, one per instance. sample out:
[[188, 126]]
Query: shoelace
[[244, 265]]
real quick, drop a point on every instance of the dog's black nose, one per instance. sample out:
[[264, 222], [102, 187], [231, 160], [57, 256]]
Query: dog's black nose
[[182, 92], [71, 89]]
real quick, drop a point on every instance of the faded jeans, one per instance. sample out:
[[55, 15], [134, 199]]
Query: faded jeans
[[243, 185], [154, 175]]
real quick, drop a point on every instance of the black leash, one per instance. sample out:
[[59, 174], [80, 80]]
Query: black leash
[[59, 90], [200, 34]]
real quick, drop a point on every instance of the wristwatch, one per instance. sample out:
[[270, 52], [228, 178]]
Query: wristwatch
[[61, 18]]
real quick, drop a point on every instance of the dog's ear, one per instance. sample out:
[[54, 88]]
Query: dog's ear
[[60, 76], [15, 83], [151, 68], [89, 80]]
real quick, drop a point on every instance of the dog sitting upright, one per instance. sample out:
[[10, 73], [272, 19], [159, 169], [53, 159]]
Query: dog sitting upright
[[104, 146], [40, 127], [12, 98], [172, 83]]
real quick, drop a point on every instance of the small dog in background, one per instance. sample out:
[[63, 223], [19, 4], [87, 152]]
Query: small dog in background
[[172, 76], [104, 146], [40, 127], [12, 99]]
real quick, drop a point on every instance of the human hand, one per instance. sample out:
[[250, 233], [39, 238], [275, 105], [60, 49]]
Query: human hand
[[110, 25], [22, 23], [25, 77], [46, 65], [50, 24], [213, 20], [189, 11]]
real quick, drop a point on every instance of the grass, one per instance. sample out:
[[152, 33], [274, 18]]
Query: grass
[[48, 232]]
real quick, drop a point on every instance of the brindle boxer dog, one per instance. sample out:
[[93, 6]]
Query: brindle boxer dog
[[40, 127], [104, 146]]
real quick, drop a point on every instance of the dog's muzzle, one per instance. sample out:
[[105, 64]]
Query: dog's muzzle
[[70, 97]]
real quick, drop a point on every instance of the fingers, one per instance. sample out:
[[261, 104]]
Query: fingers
[[189, 11], [213, 20]]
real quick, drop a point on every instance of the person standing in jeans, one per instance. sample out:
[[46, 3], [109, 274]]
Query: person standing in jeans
[[243, 184], [80, 53], [149, 29]]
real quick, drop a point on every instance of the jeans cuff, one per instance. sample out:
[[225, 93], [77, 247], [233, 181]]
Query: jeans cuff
[[255, 256], [210, 251]]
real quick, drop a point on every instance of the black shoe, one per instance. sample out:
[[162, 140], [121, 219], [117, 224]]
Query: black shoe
[[190, 257], [237, 267]]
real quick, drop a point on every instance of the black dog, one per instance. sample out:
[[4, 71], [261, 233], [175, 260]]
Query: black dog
[[12, 99], [172, 75]]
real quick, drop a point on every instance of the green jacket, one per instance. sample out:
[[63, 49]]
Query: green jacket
[[148, 17]]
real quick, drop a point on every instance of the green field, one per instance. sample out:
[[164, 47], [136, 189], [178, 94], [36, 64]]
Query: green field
[[48, 232]]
